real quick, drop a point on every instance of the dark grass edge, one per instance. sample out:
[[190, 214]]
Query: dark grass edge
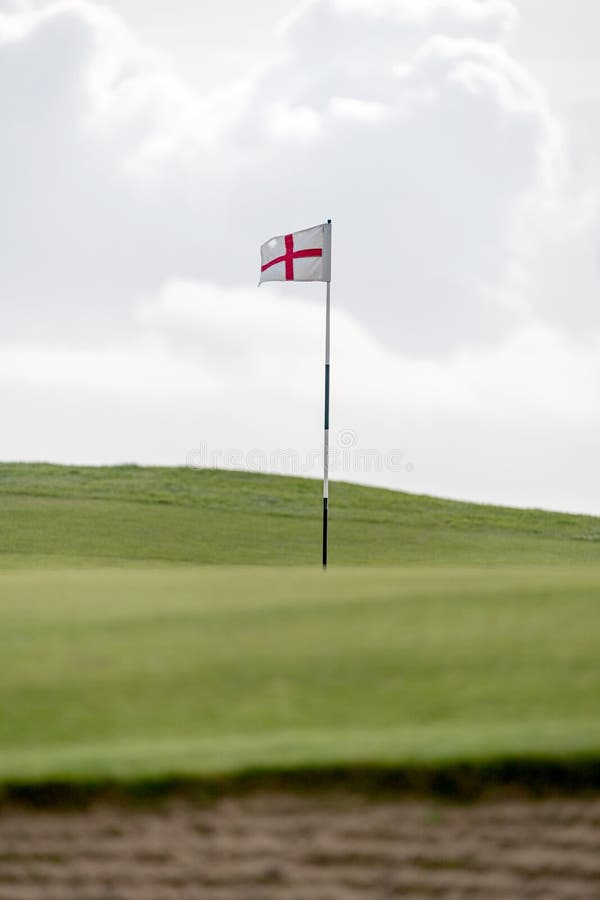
[[459, 782]]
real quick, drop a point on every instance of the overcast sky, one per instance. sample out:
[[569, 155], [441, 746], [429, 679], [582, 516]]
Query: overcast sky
[[149, 148]]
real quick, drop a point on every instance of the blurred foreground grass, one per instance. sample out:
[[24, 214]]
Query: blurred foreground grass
[[196, 670]]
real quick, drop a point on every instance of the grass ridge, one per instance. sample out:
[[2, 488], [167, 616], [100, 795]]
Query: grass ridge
[[534, 777]]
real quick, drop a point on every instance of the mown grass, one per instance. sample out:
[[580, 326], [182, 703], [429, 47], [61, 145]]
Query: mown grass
[[196, 671], [60, 515]]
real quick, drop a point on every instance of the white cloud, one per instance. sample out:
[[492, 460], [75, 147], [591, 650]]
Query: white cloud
[[478, 141], [495, 18], [292, 123], [362, 110]]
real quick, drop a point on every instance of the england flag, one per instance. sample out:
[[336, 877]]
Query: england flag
[[301, 256]]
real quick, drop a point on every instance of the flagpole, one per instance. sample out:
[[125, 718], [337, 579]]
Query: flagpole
[[326, 436]]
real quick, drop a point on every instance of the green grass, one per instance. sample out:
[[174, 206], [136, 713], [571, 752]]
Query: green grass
[[152, 673], [53, 515], [444, 633]]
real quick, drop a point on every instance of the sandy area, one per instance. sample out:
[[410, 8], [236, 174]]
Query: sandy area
[[331, 847]]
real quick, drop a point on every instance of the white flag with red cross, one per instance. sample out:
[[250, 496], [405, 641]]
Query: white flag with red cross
[[300, 256]]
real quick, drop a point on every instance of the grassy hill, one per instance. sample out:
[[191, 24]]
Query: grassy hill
[[452, 635], [58, 514]]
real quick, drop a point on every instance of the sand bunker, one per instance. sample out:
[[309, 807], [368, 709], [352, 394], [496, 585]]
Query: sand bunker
[[331, 847]]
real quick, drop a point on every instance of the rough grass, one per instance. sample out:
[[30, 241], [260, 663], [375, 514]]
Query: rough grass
[[54, 515]]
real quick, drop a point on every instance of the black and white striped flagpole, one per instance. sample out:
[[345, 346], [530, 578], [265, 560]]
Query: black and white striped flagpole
[[326, 438]]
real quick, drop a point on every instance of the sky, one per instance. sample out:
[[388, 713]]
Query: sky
[[147, 150]]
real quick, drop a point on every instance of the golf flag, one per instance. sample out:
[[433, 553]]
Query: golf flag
[[306, 256], [301, 256]]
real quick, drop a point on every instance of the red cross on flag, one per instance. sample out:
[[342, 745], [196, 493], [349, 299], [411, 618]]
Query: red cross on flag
[[301, 256]]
